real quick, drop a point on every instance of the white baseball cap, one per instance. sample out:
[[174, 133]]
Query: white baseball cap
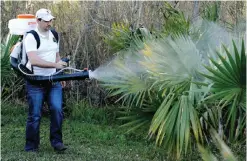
[[44, 14]]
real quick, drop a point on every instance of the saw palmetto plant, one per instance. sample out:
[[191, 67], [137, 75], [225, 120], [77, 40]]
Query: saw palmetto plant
[[163, 91], [228, 91], [5, 53], [176, 120], [160, 87], [211, 12], [119, 38], [8, 78], [175, 21], [176, 88]]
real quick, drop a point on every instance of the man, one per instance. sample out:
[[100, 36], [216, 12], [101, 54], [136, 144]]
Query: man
[[44, 61]]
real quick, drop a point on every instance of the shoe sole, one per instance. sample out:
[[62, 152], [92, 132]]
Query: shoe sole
[[61, 150]]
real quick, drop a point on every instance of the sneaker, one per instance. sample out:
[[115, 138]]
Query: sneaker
[[59, 147]]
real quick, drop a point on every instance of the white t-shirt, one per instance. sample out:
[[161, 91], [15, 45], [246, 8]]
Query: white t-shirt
[[46, 51]]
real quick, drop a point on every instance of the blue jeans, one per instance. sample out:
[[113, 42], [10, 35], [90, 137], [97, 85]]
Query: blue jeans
[[36, 95]]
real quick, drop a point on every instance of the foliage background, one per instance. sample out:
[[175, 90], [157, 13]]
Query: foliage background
[[83, 24]]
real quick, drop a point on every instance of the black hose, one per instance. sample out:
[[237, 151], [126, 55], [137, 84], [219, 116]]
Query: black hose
[[39, 79], [60, 77]]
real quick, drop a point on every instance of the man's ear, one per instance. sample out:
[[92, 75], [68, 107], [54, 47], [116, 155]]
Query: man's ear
[[38, 19]]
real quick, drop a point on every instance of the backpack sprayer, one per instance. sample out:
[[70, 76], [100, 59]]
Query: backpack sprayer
[[20, 26]]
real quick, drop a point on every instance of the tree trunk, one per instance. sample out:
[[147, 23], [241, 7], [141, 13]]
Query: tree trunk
[[195, 11]]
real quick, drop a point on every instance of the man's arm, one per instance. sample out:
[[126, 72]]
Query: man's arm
[[58, 58], [35, 60]]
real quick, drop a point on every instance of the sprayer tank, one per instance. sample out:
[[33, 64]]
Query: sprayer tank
[[22, 24]]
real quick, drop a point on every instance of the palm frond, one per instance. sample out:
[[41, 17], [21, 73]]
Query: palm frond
[[229, 85], [176, 24], [6, 72], [211, 12], [173, 123]]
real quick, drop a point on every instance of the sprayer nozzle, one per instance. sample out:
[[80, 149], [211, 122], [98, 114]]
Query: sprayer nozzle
[[90, 74]]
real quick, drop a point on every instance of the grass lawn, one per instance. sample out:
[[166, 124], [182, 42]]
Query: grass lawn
[[92, 136], [86, 140]]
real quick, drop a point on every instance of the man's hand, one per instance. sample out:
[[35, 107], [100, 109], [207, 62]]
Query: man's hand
[[63, 83], [61, 64]]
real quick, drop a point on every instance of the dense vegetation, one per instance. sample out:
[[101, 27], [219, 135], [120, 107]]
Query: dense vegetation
[[183, 83]]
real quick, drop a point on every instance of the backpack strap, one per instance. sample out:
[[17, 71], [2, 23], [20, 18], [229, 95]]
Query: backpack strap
[[36, 36], [20, 56], [55, 34]]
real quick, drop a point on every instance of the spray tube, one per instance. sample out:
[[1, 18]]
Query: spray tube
[[58, 76]]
